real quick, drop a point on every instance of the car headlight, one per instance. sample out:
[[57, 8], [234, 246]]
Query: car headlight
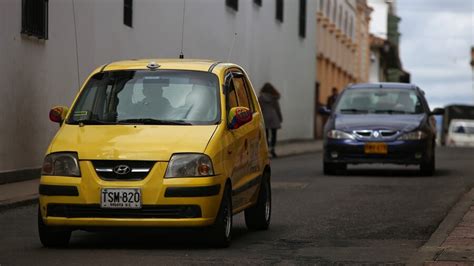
[[415, 135], [189, 165], [61, 164], [337, 134]]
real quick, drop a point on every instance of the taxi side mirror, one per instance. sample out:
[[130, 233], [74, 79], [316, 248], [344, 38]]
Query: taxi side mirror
[[58, 114], [238, 116]]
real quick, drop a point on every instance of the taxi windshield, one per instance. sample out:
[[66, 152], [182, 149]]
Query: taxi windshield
[[148, 97], [385, 101]]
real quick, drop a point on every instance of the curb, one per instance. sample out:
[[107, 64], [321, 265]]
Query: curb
[[431, 250], [295, 148], [11, 204], [19, 175], [285, 155]]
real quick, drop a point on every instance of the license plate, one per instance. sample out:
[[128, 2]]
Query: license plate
[[121, 198], [375, 148]]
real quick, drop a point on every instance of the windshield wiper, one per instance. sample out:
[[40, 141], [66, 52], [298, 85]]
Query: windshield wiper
[[353, 110], [151, 121], [390, 111], [91, 122]]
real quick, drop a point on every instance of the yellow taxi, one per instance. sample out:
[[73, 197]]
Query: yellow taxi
[[157, 143]]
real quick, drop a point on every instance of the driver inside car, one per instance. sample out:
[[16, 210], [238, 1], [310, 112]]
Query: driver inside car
[[154, 105]]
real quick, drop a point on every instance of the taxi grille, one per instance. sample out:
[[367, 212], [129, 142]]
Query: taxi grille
[[147, 211], [129, 170]]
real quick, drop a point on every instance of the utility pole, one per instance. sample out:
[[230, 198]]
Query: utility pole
[[472, 69]]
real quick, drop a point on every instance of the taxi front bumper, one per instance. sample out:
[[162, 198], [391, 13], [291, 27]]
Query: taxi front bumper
[[165, 202]]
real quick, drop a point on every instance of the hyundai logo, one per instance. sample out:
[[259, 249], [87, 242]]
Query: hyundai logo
[[122, 169]]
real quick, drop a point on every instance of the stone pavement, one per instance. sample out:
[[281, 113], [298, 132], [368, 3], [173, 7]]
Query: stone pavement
[[458, 248], [452, 244], [25, 192]]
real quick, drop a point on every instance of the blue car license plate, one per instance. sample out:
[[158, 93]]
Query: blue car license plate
[[375, 148]]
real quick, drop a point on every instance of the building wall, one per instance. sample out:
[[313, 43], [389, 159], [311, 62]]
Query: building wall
[[37, 75], [336, 49]]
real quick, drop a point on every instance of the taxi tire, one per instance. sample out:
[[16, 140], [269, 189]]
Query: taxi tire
[[256, 217], [219, 237], [52, 237]]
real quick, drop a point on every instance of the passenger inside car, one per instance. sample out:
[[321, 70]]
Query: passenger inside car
[[198, 100], [405, 102]]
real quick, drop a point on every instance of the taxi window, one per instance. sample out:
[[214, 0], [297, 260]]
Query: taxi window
[[232, 99], [241, 91], [186, 97]]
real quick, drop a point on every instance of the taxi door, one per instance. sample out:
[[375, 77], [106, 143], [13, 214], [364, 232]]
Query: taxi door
[[244, 155]]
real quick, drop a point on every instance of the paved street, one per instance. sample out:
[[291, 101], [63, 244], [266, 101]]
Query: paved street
[[369, 215]]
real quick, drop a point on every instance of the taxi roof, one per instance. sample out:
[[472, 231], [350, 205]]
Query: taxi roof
[[178, 64]]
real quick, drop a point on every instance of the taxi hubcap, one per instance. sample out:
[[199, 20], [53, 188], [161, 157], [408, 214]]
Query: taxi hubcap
[[227, 220], [267, 203]]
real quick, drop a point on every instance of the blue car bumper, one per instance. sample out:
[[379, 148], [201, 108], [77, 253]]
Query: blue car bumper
[[398, 152]]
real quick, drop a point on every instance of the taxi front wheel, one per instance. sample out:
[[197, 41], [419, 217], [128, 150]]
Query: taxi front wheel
[[258, 217], [221, 231], [52, 237]]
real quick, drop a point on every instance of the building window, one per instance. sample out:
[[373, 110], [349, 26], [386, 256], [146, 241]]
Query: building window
[[351, 27], [302, 25], [340, 17], [34, 18], [334, 12], [328, 9], [321, 6], [234, 4], [128, 12], [258, 2], [279, 10], [345, 23]]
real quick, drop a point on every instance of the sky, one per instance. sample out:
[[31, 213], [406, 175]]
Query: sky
[[436, 41]]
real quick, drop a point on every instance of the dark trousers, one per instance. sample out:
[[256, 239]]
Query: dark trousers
[[271, 137]]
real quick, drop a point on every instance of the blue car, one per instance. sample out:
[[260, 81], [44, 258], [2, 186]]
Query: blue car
[[380, 123]]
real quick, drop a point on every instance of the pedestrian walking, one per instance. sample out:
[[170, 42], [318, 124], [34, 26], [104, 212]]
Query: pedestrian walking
[[332, 98], [268, 99]]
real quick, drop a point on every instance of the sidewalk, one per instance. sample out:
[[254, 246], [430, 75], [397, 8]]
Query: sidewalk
[[18, 193], [295, 147], [452, 244], [25, 192]]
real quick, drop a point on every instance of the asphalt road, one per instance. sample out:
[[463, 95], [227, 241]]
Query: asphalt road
[[373, 214]]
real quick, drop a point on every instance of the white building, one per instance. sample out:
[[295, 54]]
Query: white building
[[379, 18], [37, 74], [384, 40], [378, 30]]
